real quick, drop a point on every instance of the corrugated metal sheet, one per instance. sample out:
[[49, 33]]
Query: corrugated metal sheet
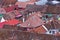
[[33, 21]]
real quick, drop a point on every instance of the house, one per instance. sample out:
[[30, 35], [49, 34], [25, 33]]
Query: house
[[35, 8], [54, 24], [32, 21], [7, 2], [39, 30], [11, 8], [56, 9], [23, 4], [12, 14], [34, 24]]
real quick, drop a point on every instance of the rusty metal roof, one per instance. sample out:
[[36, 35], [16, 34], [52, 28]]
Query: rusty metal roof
[[32, 21]]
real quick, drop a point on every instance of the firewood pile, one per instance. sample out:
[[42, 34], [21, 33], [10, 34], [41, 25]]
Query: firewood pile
[[20, 35], [4, 35], [10, 27]]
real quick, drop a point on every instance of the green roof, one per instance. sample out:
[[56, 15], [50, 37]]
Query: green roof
[[1, 15]]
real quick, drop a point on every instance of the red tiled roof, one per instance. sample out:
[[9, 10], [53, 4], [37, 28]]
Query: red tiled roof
[[2, 24], [40, 29], [12, 22]]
